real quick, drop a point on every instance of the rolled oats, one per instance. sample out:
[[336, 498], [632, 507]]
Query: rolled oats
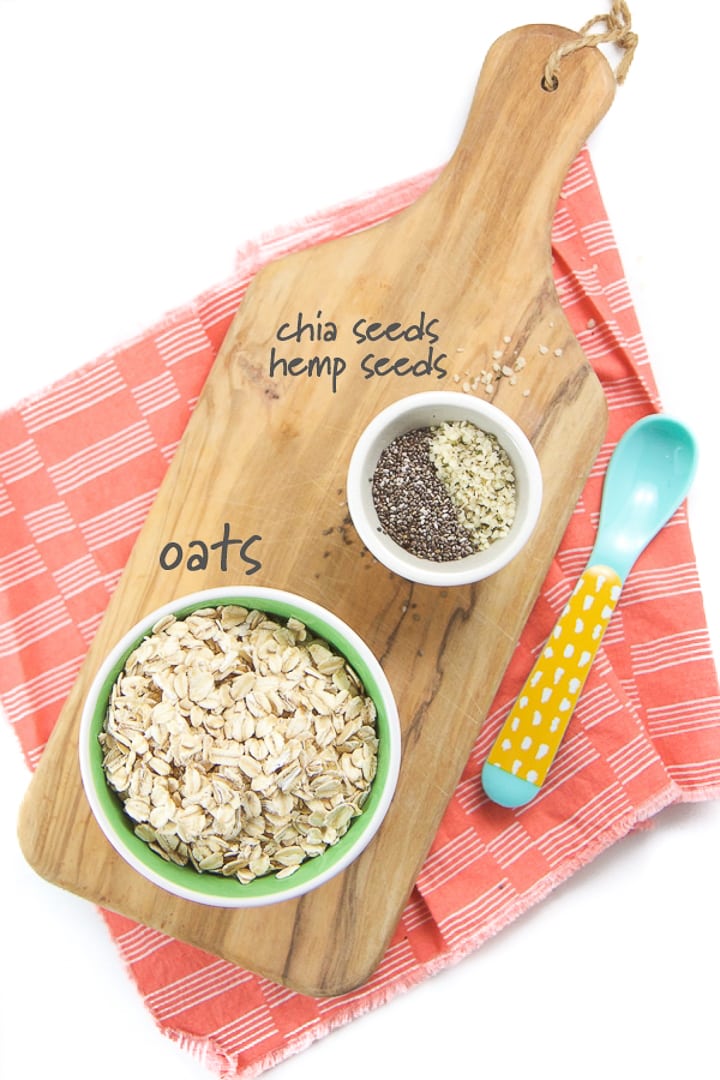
[[239, 744]]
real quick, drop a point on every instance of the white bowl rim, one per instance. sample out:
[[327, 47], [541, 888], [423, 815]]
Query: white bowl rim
[[209, 596], [459, 571]]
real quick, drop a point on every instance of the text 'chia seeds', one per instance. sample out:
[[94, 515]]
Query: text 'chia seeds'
[[444, 492]]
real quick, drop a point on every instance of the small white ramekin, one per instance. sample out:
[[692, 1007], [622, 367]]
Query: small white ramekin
[[425, 410]]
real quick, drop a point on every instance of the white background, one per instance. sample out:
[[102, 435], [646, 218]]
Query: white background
[[141, 144]]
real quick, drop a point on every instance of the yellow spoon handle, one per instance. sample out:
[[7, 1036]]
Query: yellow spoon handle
[[531, 735]]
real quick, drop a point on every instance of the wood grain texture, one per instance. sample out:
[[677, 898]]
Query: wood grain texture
[[269, 454]]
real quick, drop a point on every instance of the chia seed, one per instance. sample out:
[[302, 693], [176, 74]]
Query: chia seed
[[412, 503]]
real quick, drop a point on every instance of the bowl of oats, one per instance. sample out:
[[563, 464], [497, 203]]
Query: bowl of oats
[[239, 746], [444, 488]]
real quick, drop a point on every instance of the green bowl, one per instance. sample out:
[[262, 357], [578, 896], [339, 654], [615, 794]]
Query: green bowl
[[211, 888]]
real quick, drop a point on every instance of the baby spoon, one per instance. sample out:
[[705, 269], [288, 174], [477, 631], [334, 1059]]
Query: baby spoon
[[647, 479]]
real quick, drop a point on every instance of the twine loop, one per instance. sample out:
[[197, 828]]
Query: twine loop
[[617, 30]]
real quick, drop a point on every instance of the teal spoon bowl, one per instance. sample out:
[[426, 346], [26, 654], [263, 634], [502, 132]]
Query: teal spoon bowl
[[649, 475]]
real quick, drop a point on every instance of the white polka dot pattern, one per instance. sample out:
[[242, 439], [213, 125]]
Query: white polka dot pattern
[[537, 722]]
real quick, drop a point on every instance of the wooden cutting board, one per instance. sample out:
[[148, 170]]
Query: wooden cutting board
[[265, 455]]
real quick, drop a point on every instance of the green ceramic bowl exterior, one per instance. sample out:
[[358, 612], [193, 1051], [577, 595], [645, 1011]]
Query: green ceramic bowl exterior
[[211, 888]]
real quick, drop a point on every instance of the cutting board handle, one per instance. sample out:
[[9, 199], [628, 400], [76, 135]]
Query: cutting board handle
[[520, 138]]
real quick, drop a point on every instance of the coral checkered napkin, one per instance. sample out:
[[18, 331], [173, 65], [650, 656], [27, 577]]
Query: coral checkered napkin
[[79, 467]]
